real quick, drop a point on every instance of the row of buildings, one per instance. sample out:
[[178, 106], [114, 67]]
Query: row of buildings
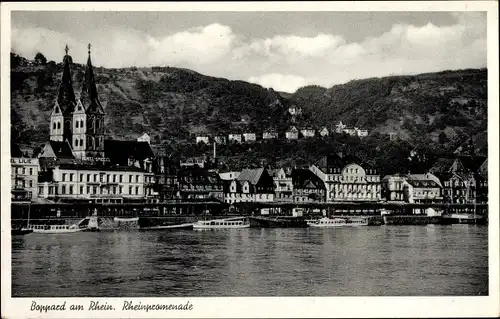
[[293, 133], [80, 164]]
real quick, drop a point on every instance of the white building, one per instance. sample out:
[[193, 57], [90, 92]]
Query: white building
[[346, 180], [292, 133], [24, 179], [202, 139], [249, 137], [324, 132], [308, 132], [269, 134], [235, 138]]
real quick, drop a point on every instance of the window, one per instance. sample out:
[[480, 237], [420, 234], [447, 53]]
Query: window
[[108, 178], [137, 190], [81, 123], [114, 178], [63, 189], [31, 171], [130, 188], [24, 170], [30, 183], [88, 189], [64, 177], [71, 189], [81, 177], [94, 190], [76, 142], [58, 125], [114, 189], [54, 126], [76, 124], [95, 177], [121, 178], [51, 190], [71, 177], [137, 178], [88, 178], [81, 189], [130, 179], [101, 179], [121, 189], [81, 142]]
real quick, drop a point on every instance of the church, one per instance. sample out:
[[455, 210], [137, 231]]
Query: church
[[78, 162]]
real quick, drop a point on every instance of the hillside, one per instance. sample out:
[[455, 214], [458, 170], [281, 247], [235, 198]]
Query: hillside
[[438, 110]]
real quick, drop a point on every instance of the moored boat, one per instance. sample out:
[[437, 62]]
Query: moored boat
[[229, 223], [338, 222], [54, 229], [160, 227]]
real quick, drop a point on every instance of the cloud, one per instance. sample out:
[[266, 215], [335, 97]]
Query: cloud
[[280, 82], [282, 61]]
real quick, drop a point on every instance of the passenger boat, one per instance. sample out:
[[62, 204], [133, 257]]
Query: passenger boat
[[229, 223], [54, 229], [126, 220], [338, 222]]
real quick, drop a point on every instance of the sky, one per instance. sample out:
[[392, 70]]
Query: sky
[[282, 50]]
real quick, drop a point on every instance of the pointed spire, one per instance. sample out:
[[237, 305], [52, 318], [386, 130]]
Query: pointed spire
[[89, 95], [66, 96]]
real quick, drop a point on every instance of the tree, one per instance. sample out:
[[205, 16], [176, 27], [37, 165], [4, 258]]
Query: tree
[[40, 59]]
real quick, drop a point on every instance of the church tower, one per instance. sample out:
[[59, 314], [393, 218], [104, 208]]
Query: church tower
[[62, 113], [88, 119]]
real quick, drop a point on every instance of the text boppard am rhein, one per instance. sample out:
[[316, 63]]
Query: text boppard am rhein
[[104, 306]]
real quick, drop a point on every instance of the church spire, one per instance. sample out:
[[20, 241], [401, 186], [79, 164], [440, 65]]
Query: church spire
[[89, 95], [66, 97]]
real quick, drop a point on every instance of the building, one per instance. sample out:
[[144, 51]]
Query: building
[[392, 188], [346, 178], [90, 183], [294, 110], [252, 185], [422, 188], [202, 139], [283, 184], [79, 123], [229, 176], [249, 137], [235, 138], [339, 128], [324, 132], [199, 161], [361, 132], [24, 179], [199, 183], [144, 138], [269, 134], [308, 132], [292, 133], [220, 139], [166, 172], [464, 178], [307, 187]]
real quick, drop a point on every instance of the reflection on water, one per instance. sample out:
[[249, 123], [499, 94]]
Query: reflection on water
[[360, 261]]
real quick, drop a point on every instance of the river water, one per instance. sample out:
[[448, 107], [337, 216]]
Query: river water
[[358, 261]]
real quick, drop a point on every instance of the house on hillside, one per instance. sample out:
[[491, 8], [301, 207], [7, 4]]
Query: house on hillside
[[339, 128], [249, 137], [252, 185], [294, 110], [269, 134], [220, 139], [292, 133], [235, 137], [361, 132], [144, 138], [202, 139], [308, 132], [324, 132]]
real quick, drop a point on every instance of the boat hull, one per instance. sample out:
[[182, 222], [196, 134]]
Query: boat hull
[[278, 222], [180, 226], [220, 227], [15, 232], [57, 231]]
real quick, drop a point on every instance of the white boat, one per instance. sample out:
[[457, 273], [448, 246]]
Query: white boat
[[54, 229], [337, 222], [229, 223]]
